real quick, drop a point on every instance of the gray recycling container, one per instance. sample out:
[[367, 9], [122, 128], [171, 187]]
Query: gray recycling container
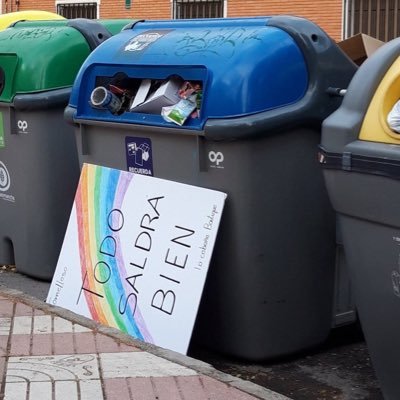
[[264, 84], [361, 159], [39, 167]]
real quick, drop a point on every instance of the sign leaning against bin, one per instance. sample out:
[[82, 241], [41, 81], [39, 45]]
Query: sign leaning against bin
[[136, 253]]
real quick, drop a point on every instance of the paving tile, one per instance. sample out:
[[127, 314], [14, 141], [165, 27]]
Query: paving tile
[[40, 391], [5, 326], [3, 364], [57, 368], [166, 388], [105, 344], [139, 364], [6, 308], [62, 325], [191, 387], [84, 343], [3, 345], [91, 390], [79, 328], [117, 389], [23, 310], [63, 343], [22, 325], [128, 372], [141, 389], [217, 390], [20, 345], [16, 391], [124, 348], [73, 376], [66, 390], [41, 345], [42, 324]]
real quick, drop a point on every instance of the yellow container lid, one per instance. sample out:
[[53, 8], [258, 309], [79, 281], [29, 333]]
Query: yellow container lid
[[375, 127], [7, 19]]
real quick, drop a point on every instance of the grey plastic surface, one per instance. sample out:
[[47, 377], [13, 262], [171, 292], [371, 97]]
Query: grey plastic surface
[[373, 253], [93, 31], [345, 311], [42, 100], [43, 171], [367, 205], [364, 188], [348, 118], [351, 191], [268, 278], [132, 24]]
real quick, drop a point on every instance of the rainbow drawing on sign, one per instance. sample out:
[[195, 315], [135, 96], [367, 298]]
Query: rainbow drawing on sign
[[106, 288]]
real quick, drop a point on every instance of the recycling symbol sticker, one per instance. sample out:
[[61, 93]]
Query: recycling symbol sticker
[[4, 178]]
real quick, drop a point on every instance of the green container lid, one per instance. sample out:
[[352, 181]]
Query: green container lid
[[37, 56]]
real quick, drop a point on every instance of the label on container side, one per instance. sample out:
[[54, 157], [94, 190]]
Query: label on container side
[[139, 157], [145, 39]]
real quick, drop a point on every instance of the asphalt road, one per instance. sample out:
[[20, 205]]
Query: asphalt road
[[340, 369]]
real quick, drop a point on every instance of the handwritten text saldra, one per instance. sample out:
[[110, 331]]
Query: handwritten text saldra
[[163, 298]]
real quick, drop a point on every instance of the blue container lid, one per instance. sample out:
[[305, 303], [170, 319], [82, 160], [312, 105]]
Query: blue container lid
[[245, 66]]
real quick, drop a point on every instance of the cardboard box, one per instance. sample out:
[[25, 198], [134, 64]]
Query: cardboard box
[[165, 95], [359, 47]]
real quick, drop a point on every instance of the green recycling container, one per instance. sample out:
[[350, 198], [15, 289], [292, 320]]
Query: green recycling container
[[39, 166]]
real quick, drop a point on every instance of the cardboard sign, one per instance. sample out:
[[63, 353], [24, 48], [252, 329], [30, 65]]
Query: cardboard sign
[[136, 254]]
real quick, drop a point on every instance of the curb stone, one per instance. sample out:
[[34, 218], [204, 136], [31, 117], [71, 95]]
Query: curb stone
[[186, 361]]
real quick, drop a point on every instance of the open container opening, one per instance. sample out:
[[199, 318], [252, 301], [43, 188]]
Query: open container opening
[[175, 99]]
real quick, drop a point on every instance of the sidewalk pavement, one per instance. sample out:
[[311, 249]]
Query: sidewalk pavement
[[49, 353]]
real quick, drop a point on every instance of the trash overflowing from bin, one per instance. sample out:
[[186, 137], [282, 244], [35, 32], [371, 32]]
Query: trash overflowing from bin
[[174, 99]]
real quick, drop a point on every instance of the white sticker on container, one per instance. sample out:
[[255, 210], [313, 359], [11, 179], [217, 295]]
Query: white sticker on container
[[5, 180]]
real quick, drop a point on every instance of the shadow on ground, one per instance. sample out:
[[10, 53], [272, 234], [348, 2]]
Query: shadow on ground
[[340, 369]]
